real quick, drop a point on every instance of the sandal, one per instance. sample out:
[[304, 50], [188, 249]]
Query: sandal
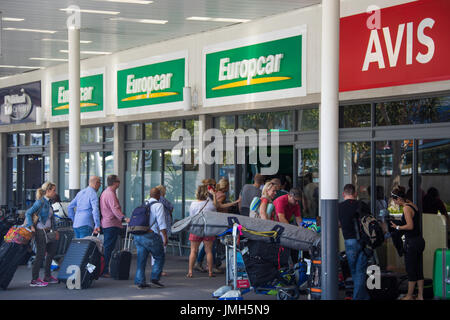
[[212, 275], [189, 275]]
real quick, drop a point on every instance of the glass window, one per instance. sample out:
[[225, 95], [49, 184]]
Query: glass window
[[96, 166], [227, 170], [434, 169], [63, 184], [12, 140], [134, 131], [133, 181], [192, 126], [109, 133], [91, 135], [148, 127], [64, 136], [419, 111], [356, 164], [393, 169], [46, 138], [280, 121], [308, 119], [308, 181], [24, 139], [83, 170], [166, 128], [152, 170], [192, 179], [356, 116], [173, 183], [223, 123], [36, 139], [46, 168]]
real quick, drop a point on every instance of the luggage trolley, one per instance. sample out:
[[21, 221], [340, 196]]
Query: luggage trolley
[[237, 281]]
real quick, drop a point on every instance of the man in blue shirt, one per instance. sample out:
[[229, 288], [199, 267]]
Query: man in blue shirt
[[86, 219]]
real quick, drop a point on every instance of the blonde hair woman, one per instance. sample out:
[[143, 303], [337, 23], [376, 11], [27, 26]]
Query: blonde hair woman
[[41, 226], [268, 194], [219, 196], [203, 203]]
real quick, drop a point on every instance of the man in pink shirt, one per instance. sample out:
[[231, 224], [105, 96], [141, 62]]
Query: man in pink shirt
[[111, 219]]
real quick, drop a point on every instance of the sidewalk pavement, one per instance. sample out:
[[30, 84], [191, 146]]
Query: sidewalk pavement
[[177, 286]]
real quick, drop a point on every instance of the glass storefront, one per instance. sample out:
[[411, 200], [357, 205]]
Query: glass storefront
[[148, 166], [96, 157]]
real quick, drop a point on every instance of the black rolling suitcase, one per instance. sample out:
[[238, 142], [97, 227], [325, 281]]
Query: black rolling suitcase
[[121, 261], [65, 239], [11, 255], [84, 254], [389, 288]]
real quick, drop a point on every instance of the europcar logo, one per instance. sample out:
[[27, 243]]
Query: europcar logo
[[151, 84], [263, 67]]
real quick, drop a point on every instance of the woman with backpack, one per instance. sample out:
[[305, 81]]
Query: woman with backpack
[[414, 243], [203, 203], [41, 220]]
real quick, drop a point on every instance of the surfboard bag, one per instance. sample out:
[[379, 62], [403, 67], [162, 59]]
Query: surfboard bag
[[208, 223]]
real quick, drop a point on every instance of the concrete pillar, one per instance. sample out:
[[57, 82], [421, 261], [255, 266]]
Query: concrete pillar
[[4, 168], [74, 110], [329, 152], [53, 156], [119, 159]]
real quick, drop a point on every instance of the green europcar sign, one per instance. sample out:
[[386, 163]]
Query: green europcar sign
[[151, 84], [91, 95], [270, 67]]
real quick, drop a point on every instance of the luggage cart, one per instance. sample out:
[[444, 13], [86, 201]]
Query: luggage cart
[[237, 282]]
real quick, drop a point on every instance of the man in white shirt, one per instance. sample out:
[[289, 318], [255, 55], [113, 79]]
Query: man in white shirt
[[152, 243]]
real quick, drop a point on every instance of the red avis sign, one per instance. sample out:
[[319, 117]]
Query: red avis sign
[[411, 46]]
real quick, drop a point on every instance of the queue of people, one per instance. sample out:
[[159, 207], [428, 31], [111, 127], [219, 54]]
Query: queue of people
[[91, 215], [275, 201]]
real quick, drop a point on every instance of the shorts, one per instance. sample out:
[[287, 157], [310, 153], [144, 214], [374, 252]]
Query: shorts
[[193, 237]]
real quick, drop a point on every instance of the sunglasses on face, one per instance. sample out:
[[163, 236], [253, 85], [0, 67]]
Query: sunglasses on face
[[394, 196]]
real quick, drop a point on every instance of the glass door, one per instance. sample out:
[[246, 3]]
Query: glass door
[[308, 180]]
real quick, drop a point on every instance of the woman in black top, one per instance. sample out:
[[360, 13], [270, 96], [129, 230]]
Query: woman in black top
[[414, 243]]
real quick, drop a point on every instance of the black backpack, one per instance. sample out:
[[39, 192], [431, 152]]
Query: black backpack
[[368, 229]]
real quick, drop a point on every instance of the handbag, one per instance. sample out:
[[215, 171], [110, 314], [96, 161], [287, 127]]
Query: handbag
[[51, 236]]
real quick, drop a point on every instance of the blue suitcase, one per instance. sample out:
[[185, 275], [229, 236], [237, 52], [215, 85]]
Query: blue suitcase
[[84, 254]]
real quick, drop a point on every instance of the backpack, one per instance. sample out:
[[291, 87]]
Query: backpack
[[368, 229], [140, 219]]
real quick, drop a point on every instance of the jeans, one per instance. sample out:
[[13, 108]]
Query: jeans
[[145, 244], [110, 238], [357, 261], [84, 231]]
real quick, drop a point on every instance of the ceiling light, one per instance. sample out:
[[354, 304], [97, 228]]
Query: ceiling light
[[92, 11], [64, 40], [49, 59], [87, 52], [139, 20], [19, 67], [218, 19], [128, 1], [30, 30], [12, 19], [199, 18]]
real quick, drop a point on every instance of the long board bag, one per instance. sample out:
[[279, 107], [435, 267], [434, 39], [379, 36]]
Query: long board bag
[[208, 223], [11, 255]]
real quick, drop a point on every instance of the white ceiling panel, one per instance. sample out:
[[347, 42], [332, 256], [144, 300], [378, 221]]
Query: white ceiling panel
[[112, 36]]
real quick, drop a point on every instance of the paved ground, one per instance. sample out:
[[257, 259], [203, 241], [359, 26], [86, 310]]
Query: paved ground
[[178, 287]]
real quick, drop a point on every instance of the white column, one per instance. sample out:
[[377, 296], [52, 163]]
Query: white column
[[4, 169], [74, 110], [329, 143]]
